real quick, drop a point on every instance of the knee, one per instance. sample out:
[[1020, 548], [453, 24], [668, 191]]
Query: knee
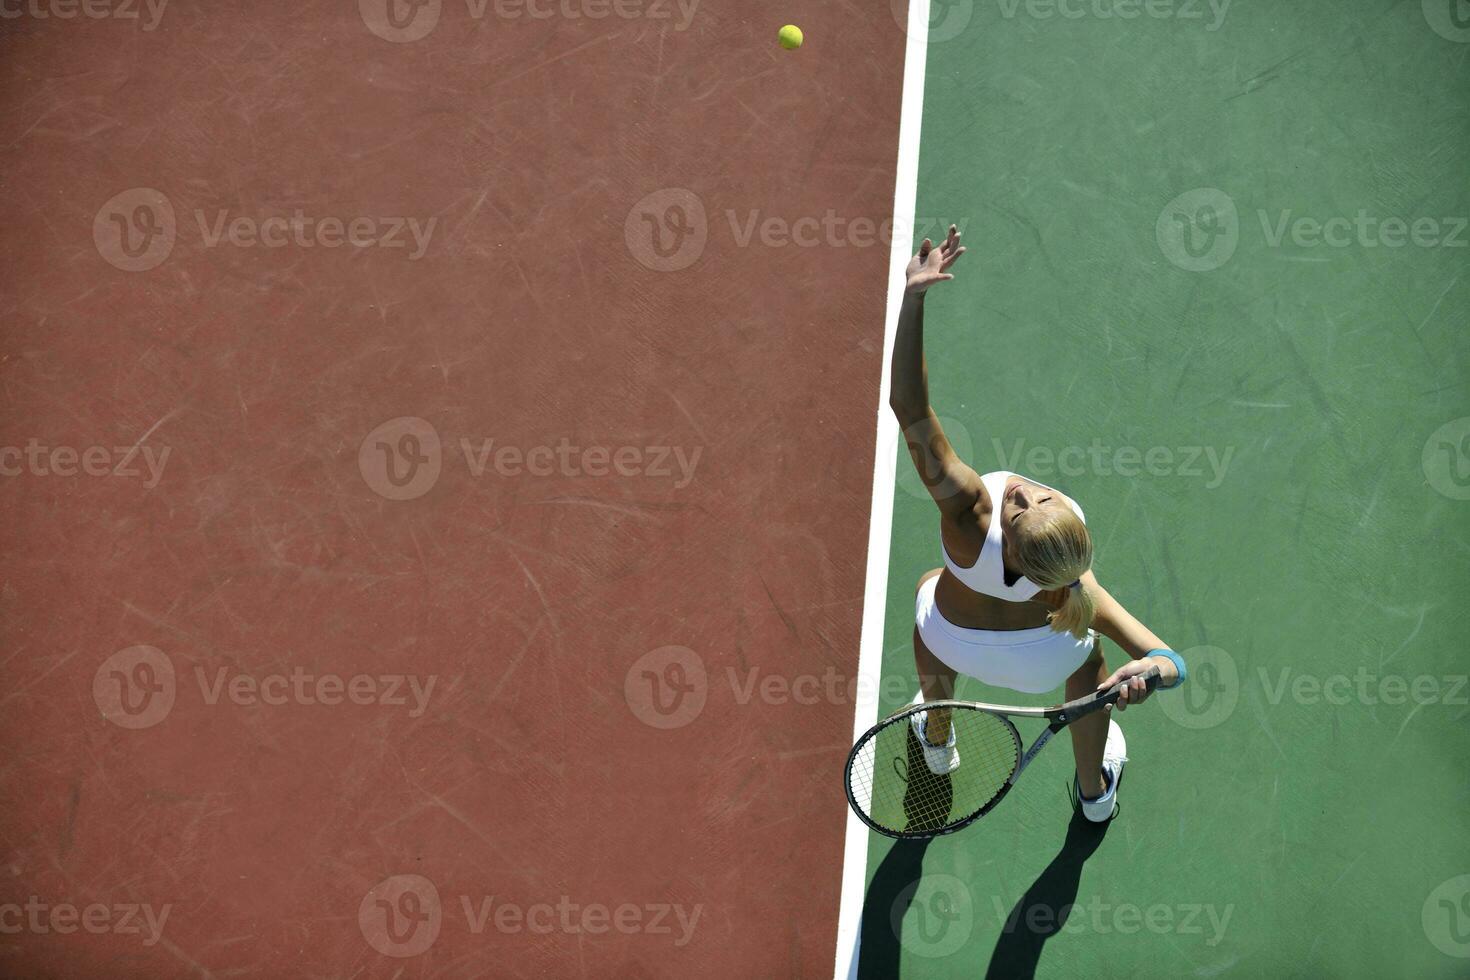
[[931, 573]]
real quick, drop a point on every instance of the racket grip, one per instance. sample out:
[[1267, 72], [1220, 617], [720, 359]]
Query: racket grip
[[1151, 679], [1073, 710]]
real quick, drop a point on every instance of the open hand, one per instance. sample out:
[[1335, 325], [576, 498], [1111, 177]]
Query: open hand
[[932, 264]]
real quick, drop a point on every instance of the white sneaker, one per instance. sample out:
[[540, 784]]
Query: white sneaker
[[941, 759], [1115, 754]]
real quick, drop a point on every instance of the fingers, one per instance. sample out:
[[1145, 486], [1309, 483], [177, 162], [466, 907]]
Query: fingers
[[949, 250], [1134, 691], [952, 248]]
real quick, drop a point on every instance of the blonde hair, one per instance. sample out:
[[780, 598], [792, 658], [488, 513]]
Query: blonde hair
[[1054, 554]]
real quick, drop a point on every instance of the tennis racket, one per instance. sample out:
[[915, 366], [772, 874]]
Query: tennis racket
[[891, 787]]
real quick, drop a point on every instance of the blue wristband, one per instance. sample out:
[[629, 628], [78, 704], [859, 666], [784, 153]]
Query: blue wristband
[[1178, 665]]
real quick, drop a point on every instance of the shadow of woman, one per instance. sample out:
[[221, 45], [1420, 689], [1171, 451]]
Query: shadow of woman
[[897, 872], [1043, 910], [926, 804]]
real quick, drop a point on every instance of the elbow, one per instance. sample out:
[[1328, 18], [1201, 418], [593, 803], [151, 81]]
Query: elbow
[[907, 409]]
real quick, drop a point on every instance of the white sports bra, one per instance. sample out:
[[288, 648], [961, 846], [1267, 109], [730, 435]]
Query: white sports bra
[[988, 575]]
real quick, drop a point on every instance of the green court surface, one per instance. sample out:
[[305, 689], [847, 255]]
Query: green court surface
[[1187, 303]]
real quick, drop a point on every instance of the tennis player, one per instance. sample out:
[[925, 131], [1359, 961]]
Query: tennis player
[[1016, 604]]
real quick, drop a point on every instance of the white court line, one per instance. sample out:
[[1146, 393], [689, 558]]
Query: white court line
[[875, 594]]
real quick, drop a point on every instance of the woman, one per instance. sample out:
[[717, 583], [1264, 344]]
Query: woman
[[1016, 603]]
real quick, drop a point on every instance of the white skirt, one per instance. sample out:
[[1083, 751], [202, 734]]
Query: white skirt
[[1034, 660]]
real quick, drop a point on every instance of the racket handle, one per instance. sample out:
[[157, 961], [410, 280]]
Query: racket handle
[[1073, 710]]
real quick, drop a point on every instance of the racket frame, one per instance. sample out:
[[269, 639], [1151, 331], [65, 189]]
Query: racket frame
[[1057, 717]]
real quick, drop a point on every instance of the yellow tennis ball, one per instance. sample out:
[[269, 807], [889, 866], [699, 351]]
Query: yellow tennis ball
[[790, 36]]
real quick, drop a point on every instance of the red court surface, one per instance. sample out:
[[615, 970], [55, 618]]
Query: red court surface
[[222, 753]]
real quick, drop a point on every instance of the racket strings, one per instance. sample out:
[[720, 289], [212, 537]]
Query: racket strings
[[893, 786]]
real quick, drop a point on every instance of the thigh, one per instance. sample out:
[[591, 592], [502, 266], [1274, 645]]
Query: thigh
[[936, 678], [1089, 674]]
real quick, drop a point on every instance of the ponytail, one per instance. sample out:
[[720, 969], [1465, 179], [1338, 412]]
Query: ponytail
[[1075, 613]]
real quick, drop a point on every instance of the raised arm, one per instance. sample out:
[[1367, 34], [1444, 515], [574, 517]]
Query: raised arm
[[951, 482]]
